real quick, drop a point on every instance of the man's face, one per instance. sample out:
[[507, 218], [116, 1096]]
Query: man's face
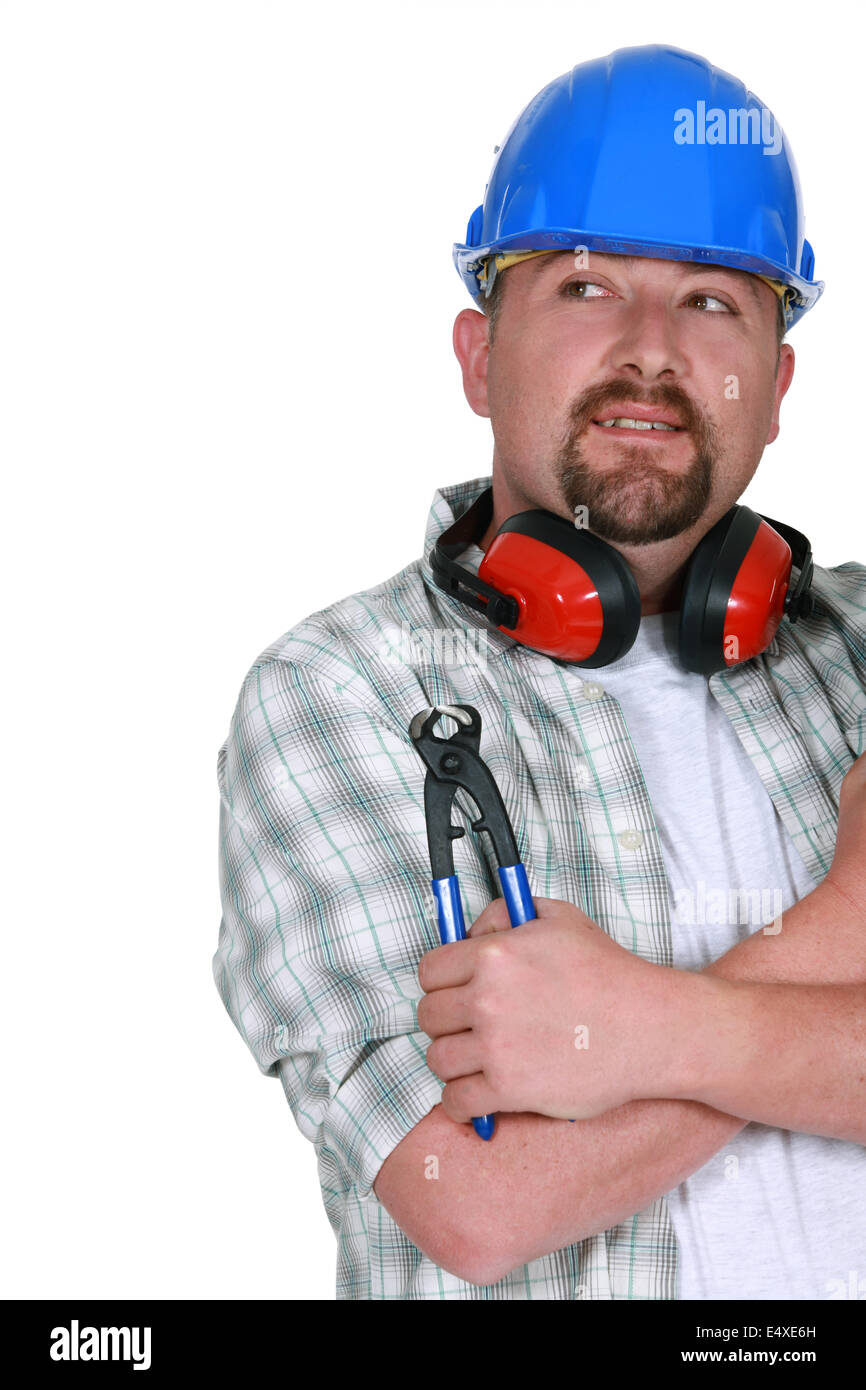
[[573, 347]]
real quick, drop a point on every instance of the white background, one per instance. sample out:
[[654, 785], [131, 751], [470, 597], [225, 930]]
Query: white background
[[228, 394]]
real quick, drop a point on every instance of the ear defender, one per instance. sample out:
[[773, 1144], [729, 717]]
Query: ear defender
[[550, 585], [737, 589], [577, 598], [561, 591]]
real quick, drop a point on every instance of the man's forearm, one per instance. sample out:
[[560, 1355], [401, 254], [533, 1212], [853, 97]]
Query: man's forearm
[[542, 1183], [795, 1056], [792, 1055], [821, 940]]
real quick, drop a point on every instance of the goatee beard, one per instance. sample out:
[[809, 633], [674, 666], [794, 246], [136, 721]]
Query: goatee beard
[[636, 500]]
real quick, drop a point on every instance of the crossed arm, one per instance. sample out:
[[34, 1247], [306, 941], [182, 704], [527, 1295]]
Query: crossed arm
[[543, 1183]]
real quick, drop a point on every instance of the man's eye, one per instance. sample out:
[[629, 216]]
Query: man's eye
[[711, 299], [583, 285]]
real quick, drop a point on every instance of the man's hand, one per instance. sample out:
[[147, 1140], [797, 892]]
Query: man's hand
[[553, 1017], [847, 873]]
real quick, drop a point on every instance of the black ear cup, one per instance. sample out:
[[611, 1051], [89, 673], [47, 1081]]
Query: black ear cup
[[707, 587], [737, 590]]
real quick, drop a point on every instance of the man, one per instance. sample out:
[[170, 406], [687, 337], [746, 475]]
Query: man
[[711, 1059]]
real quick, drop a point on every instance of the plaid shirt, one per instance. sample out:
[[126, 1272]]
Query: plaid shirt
[[325, 874]]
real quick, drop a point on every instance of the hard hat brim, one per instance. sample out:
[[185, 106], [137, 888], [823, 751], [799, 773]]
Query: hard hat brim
[[469, 259]]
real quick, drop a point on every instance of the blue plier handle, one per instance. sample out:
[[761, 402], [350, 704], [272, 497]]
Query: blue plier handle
[[455, 762]]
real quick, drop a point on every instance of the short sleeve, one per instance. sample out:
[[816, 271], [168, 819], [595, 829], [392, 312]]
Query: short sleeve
[[327, 910]]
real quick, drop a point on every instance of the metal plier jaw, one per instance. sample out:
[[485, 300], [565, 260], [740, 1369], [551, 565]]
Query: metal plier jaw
[[451, 763], [456, 762]]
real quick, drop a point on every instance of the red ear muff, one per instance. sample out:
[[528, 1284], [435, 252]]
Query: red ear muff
[[563, 592], [545, 582], [577, 599], [734, 593]]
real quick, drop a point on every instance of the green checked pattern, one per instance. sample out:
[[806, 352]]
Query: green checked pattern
[[325, 876]]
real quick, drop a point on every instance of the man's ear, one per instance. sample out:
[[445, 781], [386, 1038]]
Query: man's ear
[[784, 373], [471, 347]]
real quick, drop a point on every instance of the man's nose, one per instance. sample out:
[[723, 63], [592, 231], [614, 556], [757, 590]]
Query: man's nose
[[647, 340]]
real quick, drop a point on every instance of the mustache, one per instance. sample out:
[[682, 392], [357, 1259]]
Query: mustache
[[596, 398]]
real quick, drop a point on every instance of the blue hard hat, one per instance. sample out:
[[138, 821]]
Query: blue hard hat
[[651, 151]]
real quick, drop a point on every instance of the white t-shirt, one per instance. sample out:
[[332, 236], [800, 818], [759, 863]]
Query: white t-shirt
[[774, 1214]]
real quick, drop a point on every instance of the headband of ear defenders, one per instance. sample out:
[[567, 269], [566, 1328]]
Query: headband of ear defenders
[[564, 592]]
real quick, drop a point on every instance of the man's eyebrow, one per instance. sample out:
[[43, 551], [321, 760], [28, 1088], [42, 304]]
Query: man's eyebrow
[[542, 263]]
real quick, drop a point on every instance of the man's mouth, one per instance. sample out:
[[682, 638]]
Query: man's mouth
[[623, 425], [634, 415]]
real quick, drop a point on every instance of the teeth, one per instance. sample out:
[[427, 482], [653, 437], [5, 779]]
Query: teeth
[[622, 422]]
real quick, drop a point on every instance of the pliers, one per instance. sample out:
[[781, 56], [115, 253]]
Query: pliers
[[455, 762]]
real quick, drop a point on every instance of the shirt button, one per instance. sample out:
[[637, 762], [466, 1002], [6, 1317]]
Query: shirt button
[[630, 839], [592, 690], [581, 771]]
